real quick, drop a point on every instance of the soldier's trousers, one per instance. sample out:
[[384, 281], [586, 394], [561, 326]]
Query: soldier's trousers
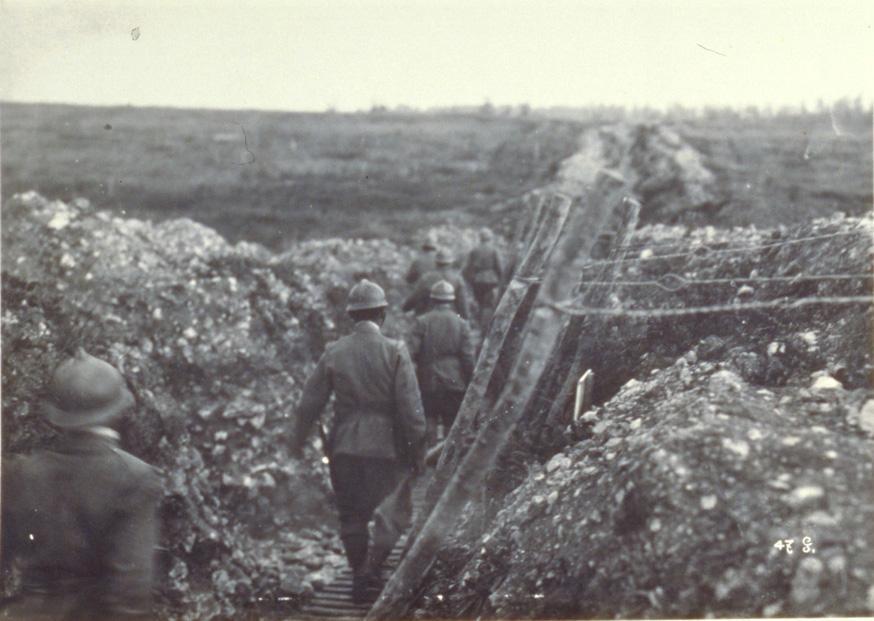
[[486, 296], [442, 406], [360, 484]]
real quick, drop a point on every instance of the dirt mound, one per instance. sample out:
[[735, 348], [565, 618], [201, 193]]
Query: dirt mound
[[216, 341], [211, 337], [662, 171], [716, 436], [673, 506]]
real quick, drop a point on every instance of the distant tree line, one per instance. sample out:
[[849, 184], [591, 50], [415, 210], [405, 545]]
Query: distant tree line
[[848, 109]]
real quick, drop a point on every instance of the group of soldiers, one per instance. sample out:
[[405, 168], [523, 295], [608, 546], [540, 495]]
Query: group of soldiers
[[393, 401], [82, 518]]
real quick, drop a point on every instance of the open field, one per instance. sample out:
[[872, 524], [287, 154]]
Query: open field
[[275, 177], [279, 177], [772, 171]]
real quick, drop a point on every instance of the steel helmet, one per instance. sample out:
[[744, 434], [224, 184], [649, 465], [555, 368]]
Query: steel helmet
[[366, 295], [85, 391], [444, 257], [429, 241], [443, 291]]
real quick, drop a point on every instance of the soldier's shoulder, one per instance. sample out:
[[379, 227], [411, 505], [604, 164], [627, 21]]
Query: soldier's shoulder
[[137, 471], [17, 466], [13, 466], [332, 347], [398, 345]]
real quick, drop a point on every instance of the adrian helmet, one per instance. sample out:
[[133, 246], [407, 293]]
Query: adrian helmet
[[429, 241], [444, 257], [443, 291], [85, 391], [365, 295]]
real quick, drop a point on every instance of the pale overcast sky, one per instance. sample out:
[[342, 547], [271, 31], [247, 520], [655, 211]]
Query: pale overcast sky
[[352, 54]]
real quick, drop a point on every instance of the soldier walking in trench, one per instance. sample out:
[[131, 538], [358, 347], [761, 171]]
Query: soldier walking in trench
[[81, 519], [443, 349], [379, 429], [420, 301], [424, 262], [484, 272]]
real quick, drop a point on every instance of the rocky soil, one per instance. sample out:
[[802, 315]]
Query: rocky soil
[[712, 436], [215, 341]]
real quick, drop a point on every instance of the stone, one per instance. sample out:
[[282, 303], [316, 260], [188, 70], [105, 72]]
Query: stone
[[826, 382], [558, 461], [805, 496], [710, 348], [866, 416], [725, 380], [806, 582], [738, 447]]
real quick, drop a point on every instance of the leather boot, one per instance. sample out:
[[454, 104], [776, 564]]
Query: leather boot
[[356, 555], [375, 560], [360, 585]]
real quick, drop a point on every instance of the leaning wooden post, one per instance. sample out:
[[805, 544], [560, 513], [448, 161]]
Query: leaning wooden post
[[540, 335], [591, 296], [505, 332]]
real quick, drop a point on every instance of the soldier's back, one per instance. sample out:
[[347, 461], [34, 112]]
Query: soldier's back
[[67, 516]]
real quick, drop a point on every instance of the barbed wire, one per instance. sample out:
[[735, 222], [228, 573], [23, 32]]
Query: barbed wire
[[674, 282], [570, 309], [705, 251], [641, 243]]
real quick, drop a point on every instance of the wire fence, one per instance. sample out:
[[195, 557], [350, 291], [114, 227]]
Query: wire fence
[[637, 244], [674, 282], [706, 251], [782, 303]]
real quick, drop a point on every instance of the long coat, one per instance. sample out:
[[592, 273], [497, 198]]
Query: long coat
[[82, 520], [378, 408], [443, 350], [421, 265], [420, 299], [484, 266]]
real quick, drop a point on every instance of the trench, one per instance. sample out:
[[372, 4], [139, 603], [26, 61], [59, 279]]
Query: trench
[[245, 531]]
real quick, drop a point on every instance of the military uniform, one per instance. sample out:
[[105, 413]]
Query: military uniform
[[484, 271], [419, 300], [378, 430], [443, 349], [421, 265], [82, 520]]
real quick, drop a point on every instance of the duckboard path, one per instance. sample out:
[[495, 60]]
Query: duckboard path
[[334, 600]]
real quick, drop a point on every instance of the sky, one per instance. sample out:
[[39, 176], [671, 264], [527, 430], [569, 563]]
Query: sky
[[355, 54]]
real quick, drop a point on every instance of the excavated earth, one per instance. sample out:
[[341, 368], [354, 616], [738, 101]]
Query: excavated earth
[[712, 436], [718, 436], [216, 341]]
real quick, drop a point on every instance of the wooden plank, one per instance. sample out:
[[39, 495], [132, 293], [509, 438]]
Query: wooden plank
[[505, 333], [562, 388], [539, 337], [332, 611]]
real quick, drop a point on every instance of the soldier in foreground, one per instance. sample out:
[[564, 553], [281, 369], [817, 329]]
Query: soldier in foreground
[[443, 350], [379, 426], [484, 272], [423, 263], [419, 300], [82, 519]]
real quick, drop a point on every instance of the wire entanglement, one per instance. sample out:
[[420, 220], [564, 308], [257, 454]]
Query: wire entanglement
[[570, 309]]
